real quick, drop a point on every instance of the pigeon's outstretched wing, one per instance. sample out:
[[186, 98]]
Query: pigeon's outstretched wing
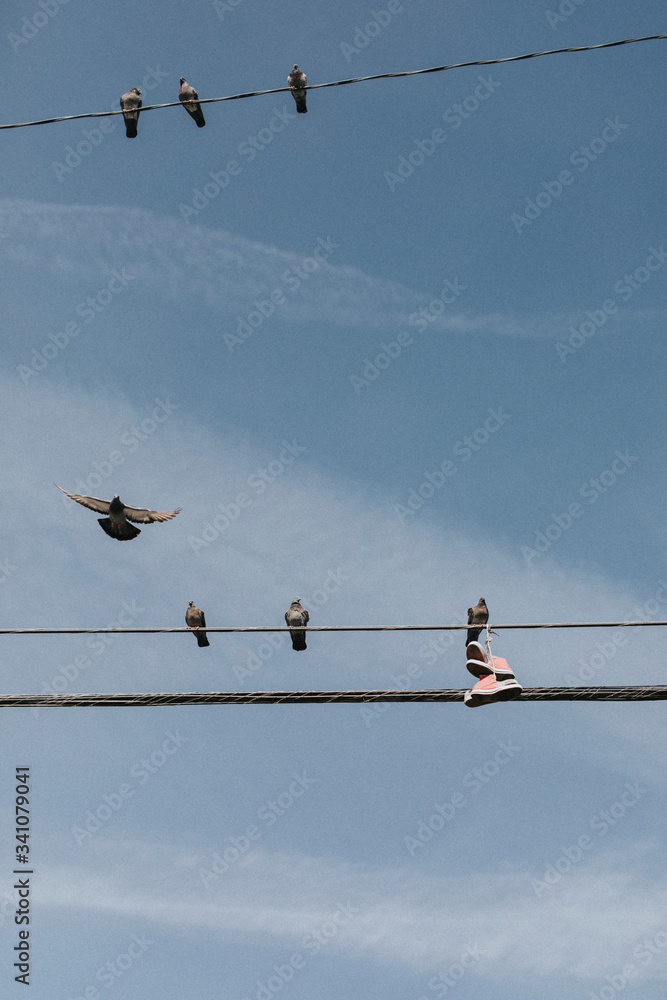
[[296, 615], [117, 523], [142, 516], [188, 95], [296, 81], [194, 618], [93, 503], [479, 615], [130, 103]]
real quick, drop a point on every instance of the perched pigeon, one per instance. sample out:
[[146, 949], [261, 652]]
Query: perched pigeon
[[194, 618], [188, 95], [296, 81], [129, 102], [479, 615], [296, 615], [117, 524]]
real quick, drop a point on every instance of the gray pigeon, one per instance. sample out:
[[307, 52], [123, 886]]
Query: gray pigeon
[[130, 103], [194, 618], [296, 81], [188, 95], [296, 615], [117, 524], [479, 615]]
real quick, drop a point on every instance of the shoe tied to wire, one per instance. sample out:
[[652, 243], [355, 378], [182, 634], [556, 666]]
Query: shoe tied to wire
[[479, 664], [489, 689], [477, 661], [502, 669]]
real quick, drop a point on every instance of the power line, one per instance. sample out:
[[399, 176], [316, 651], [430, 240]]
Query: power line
[[325, 628], [356, 79], [322, 697]]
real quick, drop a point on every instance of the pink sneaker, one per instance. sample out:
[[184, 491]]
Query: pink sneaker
[[489, 689], [502, 669], [477, 661]]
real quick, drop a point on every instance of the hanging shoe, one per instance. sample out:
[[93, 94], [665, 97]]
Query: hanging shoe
[[477, 661], [476, 651], [488, 689], [502, 669]]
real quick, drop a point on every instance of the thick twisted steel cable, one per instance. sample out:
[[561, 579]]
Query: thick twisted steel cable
[[320, 697]]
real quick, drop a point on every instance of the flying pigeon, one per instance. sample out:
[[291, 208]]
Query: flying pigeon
[[296, 615], [188, 95], [117, 524], [296, 81], [194, 618], [479, 615], [130, 103]]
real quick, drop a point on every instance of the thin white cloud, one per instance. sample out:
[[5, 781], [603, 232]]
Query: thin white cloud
[[388, 915], [228, 273]]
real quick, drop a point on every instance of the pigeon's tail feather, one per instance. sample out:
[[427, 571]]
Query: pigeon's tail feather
[[300, 99], [298, 640], [122, 532], [201, 639], [195, 112], [473, 635], [130, 127]]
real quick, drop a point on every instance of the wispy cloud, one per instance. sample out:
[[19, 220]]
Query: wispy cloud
[[400, 917], [227, 273]]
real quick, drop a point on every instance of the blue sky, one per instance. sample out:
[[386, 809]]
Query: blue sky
[[261, 310]]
